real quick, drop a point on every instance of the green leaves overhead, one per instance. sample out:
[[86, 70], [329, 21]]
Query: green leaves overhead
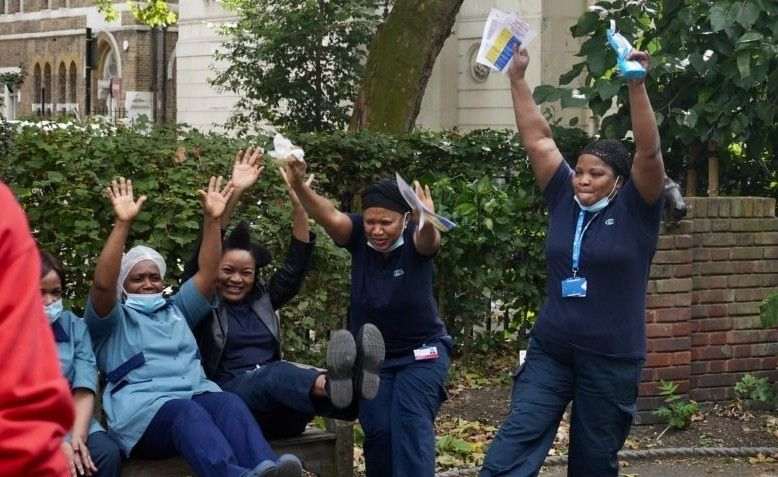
[[295, 64], [714, 77]]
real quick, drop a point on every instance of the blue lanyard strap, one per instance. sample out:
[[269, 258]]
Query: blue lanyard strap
[[580, 230]]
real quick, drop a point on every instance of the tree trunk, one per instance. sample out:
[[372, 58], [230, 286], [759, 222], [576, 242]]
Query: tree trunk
[[400, 63]]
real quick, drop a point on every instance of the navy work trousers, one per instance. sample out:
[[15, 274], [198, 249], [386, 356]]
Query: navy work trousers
[[105, 454], [279, 396], [603, 391], [214, 432], [399, 422]]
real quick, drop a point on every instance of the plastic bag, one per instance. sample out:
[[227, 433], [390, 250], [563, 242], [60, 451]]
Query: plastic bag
[[631, 70]]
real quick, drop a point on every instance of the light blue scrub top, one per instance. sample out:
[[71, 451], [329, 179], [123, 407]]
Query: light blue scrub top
[[148, 360], [76, 357]]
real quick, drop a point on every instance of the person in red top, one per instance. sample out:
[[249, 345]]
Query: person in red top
[[36, 409]]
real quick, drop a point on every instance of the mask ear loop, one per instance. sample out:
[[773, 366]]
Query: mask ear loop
[[615, 189]]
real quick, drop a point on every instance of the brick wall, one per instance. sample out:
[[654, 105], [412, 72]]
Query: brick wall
[[708, 277]]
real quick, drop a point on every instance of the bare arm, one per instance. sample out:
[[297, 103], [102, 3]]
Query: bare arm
[[301, 229], [245, 172], [214, 202], [103, 292], [337, 224], [84, 401], [648, 170], [534, 130], [427, 238]]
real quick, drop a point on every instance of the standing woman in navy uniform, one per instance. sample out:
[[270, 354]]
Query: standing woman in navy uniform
[[157, 401], [88, 448], [391, 287], [589, 343]]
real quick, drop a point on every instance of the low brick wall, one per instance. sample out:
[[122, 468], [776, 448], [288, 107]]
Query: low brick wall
[[708, 277]]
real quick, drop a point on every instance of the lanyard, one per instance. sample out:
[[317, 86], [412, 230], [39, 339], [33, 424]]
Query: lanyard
[[580, 230]]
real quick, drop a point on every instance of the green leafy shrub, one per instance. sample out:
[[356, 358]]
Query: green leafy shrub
[[481, 180], [676, 412], [755, 389], [768, 311]]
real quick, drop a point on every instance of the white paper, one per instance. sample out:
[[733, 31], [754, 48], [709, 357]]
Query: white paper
[[285, 151], [501, 32], [438, 221]]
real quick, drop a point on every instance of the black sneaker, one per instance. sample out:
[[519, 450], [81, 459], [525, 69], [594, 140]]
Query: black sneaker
[[341, 355], [370, 357]]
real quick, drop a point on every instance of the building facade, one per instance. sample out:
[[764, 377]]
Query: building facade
[[128, 70], [457, 95]]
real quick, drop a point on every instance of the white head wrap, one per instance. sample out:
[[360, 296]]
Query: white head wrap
[[137, 254]]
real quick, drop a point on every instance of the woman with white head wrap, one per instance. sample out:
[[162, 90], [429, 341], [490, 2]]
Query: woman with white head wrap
[[157, 400]]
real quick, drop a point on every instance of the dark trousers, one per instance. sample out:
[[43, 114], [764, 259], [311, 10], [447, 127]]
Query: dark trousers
[[105, 454], [214, 433], [603, 391], [399, 422], [279, 396]]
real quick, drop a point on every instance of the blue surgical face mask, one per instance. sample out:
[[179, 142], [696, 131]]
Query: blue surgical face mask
[[600, 204], [146, 303], [397, 243], [53, 310]]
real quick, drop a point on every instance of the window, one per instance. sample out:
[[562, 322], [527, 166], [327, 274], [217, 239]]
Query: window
[[46, 90], [72, 85], [62, 85], [37, 85]]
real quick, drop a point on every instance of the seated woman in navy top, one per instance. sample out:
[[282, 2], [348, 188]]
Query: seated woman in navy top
[[588, 344], [88, 448], [391, 287], [241, 340], [157, 400]]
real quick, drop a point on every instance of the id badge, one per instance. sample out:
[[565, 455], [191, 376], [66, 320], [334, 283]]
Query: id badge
[[574, 287], [424, 354]]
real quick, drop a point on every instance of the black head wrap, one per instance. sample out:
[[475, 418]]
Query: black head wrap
[[613, 153], [385, 194], [240, 239]]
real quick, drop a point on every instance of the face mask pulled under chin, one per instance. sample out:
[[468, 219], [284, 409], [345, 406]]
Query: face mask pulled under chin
[[600, 204], [397, 243], [53, 310], [146, 303]]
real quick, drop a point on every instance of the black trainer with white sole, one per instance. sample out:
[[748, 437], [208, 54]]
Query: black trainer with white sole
[[341, 356], [370, 356]]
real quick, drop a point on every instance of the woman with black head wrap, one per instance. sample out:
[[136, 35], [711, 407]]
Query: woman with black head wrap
[[589, 340], [391, 287], [241, 342]]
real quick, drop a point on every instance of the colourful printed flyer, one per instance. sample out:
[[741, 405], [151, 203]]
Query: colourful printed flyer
[[502, 32]]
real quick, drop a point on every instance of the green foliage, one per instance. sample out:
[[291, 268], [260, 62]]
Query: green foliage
[[295, 63], [481, 180], [153, 13], [676, 412], [712, 81], [768, 311], [755, 389]]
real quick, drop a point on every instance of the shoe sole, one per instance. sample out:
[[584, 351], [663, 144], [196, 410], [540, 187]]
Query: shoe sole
[[372, 352], [289, 466], [341, 355], [265, 469]]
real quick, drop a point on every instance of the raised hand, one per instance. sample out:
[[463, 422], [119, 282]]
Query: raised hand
[[124, 204], [214, 200], [641, 57], [292, 195], [518, 66], [294, 171], [424, 195], [247, 168]]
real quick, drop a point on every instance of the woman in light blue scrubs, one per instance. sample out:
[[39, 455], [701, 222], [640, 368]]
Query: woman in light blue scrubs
[[88, 448], [158, 402]]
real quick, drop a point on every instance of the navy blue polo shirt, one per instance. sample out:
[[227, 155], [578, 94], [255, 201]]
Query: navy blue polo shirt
[[393, 291], [616, 255], [249, 343]]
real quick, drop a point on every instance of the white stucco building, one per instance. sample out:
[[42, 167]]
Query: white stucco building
[[470, 102]]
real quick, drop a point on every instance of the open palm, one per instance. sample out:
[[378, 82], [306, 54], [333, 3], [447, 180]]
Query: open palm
[[124, 204], [215, 199], [247, 168]]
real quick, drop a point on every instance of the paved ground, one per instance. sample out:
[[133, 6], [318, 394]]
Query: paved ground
[[686, 468]]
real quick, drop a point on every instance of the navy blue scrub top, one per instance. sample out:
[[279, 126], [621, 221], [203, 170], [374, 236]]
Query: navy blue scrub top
[[249, 343], [616, 255], [393, 291]]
